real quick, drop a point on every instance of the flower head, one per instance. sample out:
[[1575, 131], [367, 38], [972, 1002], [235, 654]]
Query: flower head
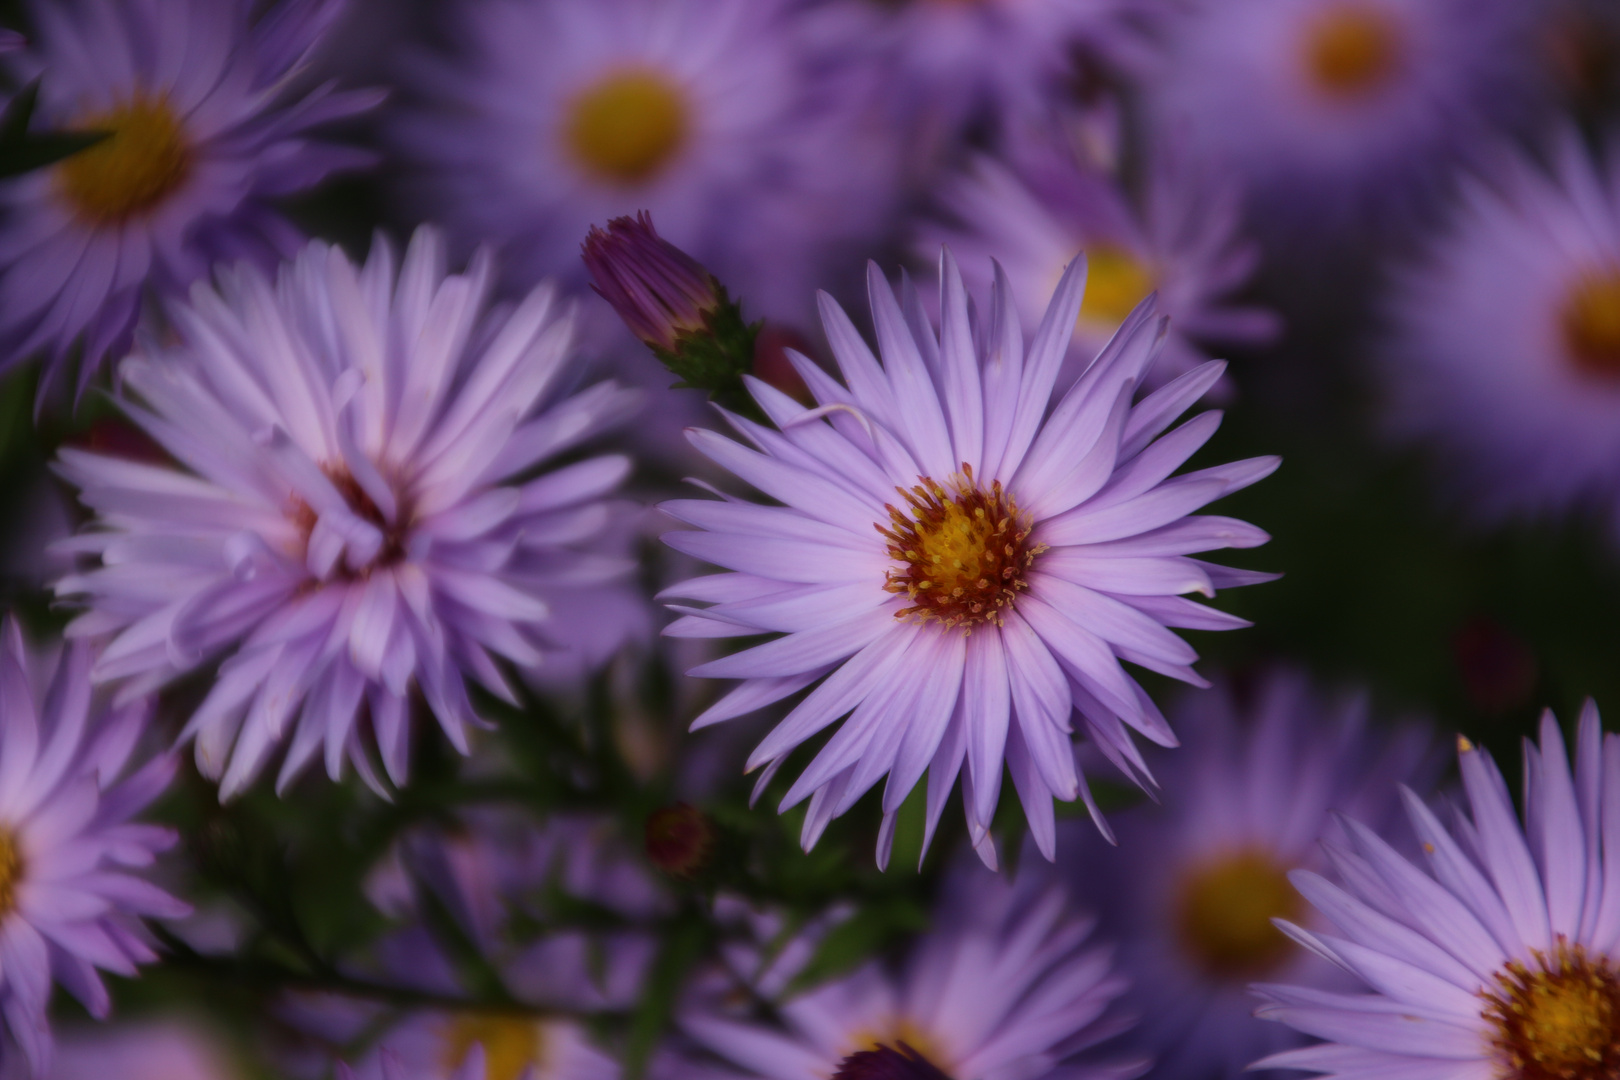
[[1340, 112], [960, 564], [1008, 981], [69, 906], [1504, 346], [1500, 956], [544, 116], [204, 130], [352, 514], [1195, 883]]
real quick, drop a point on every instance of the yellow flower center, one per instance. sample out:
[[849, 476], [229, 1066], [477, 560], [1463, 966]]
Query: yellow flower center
[[1559, 1020], [1591, 323], [961, 551], [898, 1030], [1350, 50], [628, 126], [11, 871], [141, 162], [1224, 913], [1116, 281], [511, 1044]]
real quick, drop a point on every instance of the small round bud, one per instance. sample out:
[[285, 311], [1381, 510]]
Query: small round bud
[[680, 840]]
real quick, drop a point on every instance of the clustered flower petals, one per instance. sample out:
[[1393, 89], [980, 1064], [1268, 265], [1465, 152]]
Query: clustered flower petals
[[1033, 546], [352, 514]]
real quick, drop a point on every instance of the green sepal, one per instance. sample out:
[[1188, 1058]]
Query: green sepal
[[715, 357]]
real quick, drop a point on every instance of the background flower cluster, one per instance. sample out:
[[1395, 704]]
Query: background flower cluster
[[684, 539]]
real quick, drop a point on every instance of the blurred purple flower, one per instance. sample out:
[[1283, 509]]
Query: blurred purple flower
[[1504, 345], [143, 1050], [1341, 111], [1007, 983], [344, 521], [1043, 204], [1040, 545], [1195, 883], [1503, 960], [208, 125], [69, 908], [548, 115]]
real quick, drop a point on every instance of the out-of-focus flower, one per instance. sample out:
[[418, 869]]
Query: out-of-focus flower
[[486, 1046], [346, 518], [1007, 982], [1339, 111], [1503, 959], [549, 115], [208, 124], [69, 906], [1195, 883], [1504, 350], [961, 564], [1043, 205]]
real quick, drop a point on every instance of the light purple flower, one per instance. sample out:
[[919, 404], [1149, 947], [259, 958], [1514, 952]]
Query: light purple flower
[[1340, 111], [1008, 983], [1191, 890], [69, 905], [144, 1050], [1500, 955], [209, 125], [543, 117], [1503, 351], [1039, 204], [962, 563], [345, 524]]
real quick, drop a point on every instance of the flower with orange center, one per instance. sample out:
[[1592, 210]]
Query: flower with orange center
[[1500, 960], [1038, 540], [512, 1044]]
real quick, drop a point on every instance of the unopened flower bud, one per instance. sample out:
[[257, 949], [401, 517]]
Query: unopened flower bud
[[674, 305], [680, 840]]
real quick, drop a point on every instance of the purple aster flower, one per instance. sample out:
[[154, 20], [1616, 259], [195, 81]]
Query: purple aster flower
[[1499, 957], [962, 563], [1195, 882], [1504, 343], [69, 906], [353, 509], [144, 1050], [1044, 204], [1008, 982], [546, 116], [1337, 111], [208, 125]]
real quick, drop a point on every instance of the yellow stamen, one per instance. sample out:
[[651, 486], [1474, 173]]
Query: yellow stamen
[[1558, 1019], [511, 1044], [142, 161], [1224, 913], [11, 871], [626, 127]]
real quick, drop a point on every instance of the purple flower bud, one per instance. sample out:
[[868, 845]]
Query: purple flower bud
[[657, 289]]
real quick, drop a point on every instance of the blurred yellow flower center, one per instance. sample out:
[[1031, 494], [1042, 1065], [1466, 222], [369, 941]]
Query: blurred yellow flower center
[[1350, 49], [1591, 323], [11, 868], [1224, 913], [1559, 1020], [142, 161], [961, 551], [511, 1044], [627, 126], [1116, 281], [897, 1031]]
